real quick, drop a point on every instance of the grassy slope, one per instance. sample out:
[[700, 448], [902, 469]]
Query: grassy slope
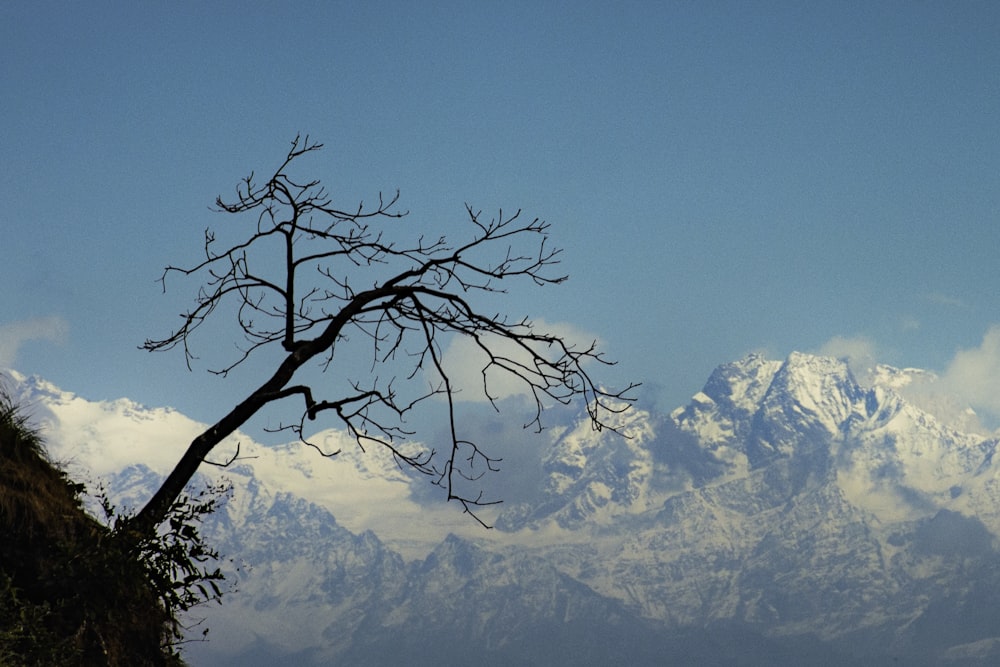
[[69, 594]]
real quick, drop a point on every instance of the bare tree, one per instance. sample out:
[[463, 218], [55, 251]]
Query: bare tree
[[337, 274]]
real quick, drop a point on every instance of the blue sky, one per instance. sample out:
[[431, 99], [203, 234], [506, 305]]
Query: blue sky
[[724, 177]]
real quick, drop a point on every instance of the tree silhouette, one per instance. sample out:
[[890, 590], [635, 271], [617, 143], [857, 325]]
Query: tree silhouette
[[310, 274]]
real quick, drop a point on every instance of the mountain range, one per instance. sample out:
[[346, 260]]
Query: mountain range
[[792, 512]]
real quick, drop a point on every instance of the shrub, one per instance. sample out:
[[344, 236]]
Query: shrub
[[74, 591]]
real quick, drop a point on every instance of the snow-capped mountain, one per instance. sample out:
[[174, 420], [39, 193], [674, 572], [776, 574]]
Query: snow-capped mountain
[[790, 513]]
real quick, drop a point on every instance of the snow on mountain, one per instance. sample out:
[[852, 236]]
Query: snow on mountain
[[819, 517], [787, 472], [590, 477], [923, 390], [131, 447], [101, 438], [718, 417], [304, 580]]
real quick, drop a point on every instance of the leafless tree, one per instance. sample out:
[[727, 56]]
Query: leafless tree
[[337, 274]]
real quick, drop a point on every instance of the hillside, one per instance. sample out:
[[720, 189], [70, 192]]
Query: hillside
[[70, 592]]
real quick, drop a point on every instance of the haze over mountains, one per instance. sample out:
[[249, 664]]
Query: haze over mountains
[[788, 513]]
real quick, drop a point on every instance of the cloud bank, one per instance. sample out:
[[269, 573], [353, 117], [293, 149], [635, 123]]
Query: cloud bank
[[464, 362], [973, 375], [859, 351], [14, 335]]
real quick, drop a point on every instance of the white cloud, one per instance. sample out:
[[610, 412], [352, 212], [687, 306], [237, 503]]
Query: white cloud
[[973, 375], [859, 351], [12, 336], [909, 323], [464, 362], [943, 299]]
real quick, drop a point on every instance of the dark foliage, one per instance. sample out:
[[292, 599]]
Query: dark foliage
[[75, 592]]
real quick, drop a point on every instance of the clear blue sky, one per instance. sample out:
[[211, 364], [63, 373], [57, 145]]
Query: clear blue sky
[[724, 177]]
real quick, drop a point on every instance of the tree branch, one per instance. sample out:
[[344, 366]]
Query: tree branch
[[310, 257]]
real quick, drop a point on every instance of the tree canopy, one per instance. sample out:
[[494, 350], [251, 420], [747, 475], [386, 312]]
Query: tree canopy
[[308, 273]]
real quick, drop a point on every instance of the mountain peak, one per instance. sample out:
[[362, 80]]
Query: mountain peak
[[740, 384]]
